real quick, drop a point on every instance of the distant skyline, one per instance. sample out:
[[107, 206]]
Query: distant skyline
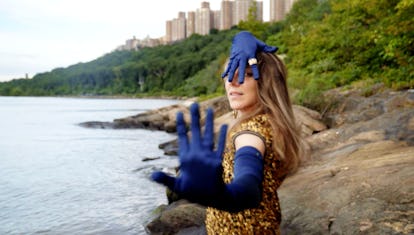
[[38, 36]]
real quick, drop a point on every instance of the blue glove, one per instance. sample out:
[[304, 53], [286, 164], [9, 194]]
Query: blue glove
[[245, 190], [243, 51], [200, 179], [200, 166]]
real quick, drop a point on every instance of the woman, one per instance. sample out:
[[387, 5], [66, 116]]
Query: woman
[[240, 185]]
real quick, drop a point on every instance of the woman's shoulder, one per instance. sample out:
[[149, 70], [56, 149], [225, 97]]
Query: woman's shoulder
[[260, 120], [258, 124]]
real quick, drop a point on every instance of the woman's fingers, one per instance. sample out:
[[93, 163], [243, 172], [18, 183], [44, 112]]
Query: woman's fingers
[[208, 140], [221, 140], [195, 127], [182, 134]]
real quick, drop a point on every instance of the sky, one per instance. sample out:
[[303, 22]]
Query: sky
[[38, 36]]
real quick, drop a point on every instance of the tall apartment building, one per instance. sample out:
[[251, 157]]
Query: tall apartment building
[[203, 19], [259, 11], [179, 27], [289, 5], [215, 19], [226, 16], [241, 10], [168, 31], [279, 9], [190, 23]]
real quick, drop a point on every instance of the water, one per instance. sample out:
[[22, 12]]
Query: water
[[59, 178]]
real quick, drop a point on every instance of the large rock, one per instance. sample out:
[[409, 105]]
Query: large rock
[[162, 118], [351, 106], [359, 188], [361, 176], [180, 217]]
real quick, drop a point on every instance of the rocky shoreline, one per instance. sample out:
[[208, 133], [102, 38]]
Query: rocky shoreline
[[360, 179]]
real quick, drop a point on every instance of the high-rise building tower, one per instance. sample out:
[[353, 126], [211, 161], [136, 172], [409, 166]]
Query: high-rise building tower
[[168, 31], [226, 16], [241, 10], [179, 27], [288, 5], [259, 10], [215, 19], [203, 19], [279, 9], [190, 23]]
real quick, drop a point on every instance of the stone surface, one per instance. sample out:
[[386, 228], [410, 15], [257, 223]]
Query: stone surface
[[356, 188], [180, 217]]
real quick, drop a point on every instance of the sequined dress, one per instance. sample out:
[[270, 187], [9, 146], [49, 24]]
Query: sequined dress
[[266, 218]]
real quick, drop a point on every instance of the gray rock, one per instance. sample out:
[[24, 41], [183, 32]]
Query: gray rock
[[180, 217]]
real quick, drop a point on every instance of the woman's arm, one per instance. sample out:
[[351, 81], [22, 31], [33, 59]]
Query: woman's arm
[[201, 171]]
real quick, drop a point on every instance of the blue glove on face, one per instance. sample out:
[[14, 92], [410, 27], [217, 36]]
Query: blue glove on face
[[243, 50], [201, 171]]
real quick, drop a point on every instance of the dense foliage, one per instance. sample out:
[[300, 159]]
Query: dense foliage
[[331, 43], [325, 44], [159, 70]]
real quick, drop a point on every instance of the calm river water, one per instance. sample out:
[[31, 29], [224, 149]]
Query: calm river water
[[59, 178]]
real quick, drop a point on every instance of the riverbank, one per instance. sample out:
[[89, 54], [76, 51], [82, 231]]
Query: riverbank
[[360, 178]]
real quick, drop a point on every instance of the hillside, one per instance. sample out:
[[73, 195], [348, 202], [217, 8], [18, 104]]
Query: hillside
[[325, 44], [163, 69]]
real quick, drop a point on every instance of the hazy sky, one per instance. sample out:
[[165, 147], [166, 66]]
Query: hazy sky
[[40, 35]]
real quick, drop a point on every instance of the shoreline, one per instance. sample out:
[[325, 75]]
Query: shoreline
[[107, 97]]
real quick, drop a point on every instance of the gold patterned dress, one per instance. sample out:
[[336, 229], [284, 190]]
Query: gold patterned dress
[[266, 218]]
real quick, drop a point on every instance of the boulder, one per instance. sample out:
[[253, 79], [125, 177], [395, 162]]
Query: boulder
[[163, 118], [351, 106], [361, 188], [360, 178], [180, 217]]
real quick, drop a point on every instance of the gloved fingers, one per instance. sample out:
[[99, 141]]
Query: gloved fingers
[[255, 71], [195, 126], [208, 140], [182, 134], [270, 49], [163, 178], [221, 140], [261, 46], [242, 69], [232, 70], [223, 75]]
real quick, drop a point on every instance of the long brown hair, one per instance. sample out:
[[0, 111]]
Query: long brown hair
[[274, 101]]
